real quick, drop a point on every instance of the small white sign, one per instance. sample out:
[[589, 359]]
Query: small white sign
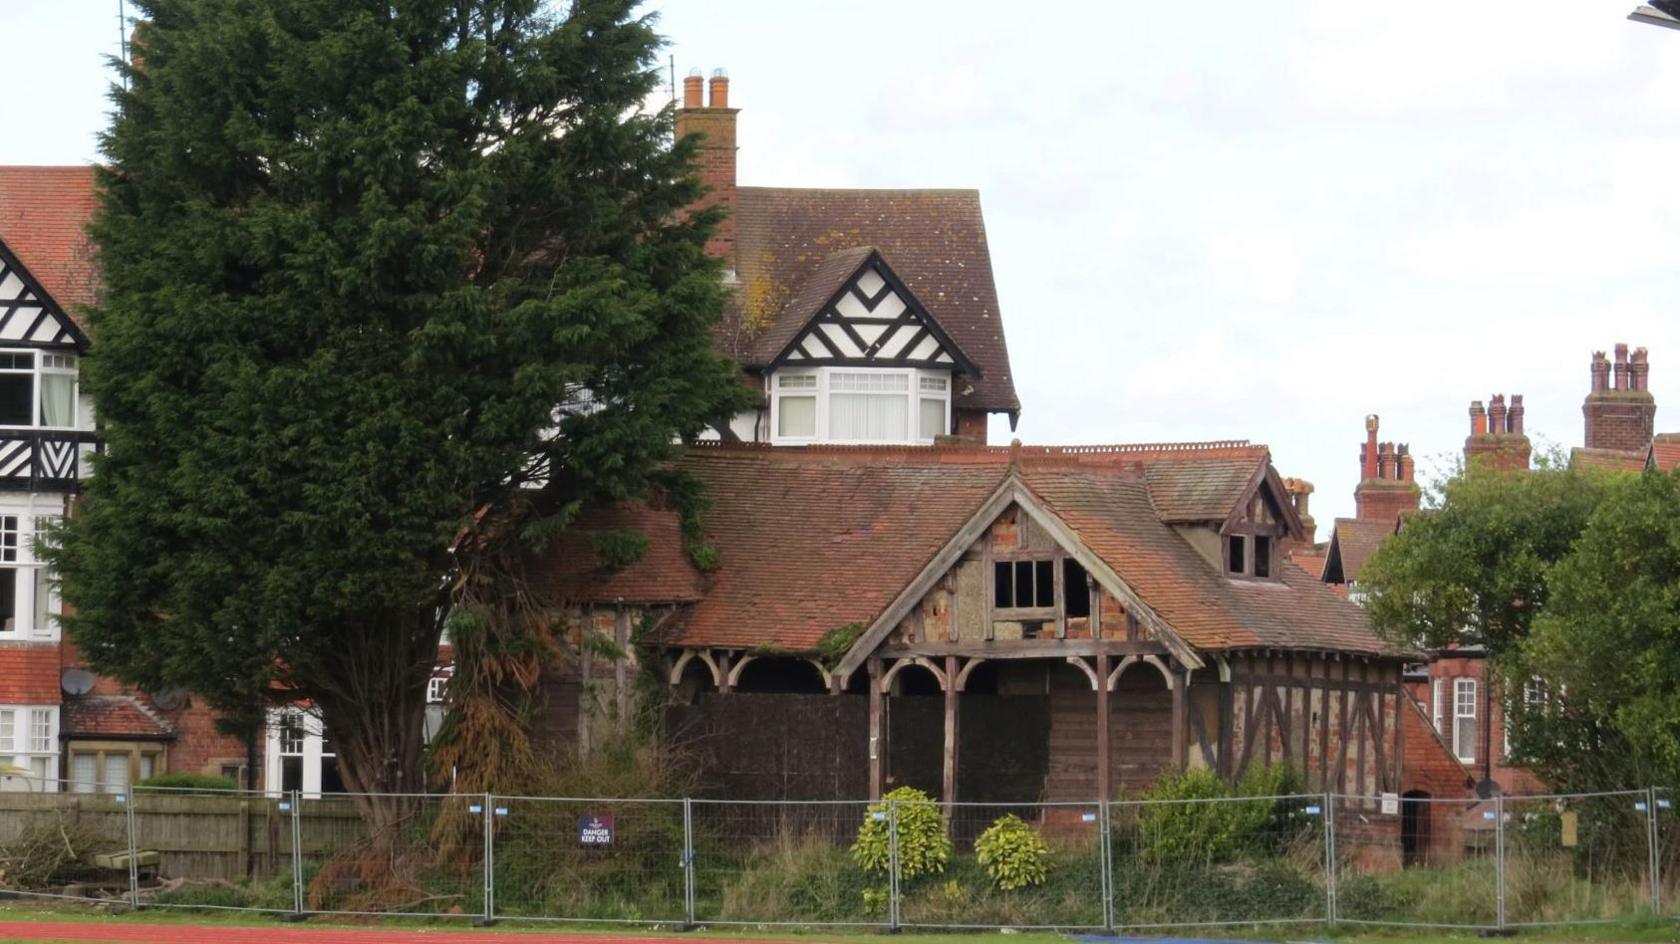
[[1088, 817], [1391, 804]]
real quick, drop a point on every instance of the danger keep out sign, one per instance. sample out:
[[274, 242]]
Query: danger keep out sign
[[595, 830]]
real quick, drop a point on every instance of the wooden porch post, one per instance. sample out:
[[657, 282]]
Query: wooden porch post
[[950, 784], [1181, 682], [1105, 767], [877, 742]]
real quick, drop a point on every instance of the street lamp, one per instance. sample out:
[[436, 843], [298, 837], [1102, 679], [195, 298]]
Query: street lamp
[[1658, 13]]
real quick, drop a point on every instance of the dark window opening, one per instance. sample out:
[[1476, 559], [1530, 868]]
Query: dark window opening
[[17, 399], [1076, 589], [1032, 630], [1262, 556], [1023, 584], [291, 773], [1234, 554], [8, 599]]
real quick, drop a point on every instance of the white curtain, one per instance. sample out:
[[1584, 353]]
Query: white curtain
[[864, 417], [796, 416], [58, 400]]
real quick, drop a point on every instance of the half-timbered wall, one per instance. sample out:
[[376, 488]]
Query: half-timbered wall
[[1336, 720]]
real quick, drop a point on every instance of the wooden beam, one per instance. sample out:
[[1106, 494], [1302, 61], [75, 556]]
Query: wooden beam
[[1180, 692], [877, 742], [1105, 765], [1224, 722], [1026, 648], [950, 779]]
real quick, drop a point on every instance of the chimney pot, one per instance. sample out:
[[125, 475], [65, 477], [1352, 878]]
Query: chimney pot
[[1385, 461], [1496, 414], [1478, 419], [1368, 452], [1516, 414], [1621, 367], [1600, 371], [719, 89], [692, 90]]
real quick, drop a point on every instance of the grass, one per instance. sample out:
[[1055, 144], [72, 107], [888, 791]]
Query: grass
[[1626, 932]]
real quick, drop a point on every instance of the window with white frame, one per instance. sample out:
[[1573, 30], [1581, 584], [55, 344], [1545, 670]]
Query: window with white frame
[[1439, 693], [28, 748], [300, 756], [38, 389], [859, 405], [1464, 719], [29, 603]]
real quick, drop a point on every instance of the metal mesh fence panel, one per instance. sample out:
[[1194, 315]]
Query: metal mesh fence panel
[[782, 863], [427, 859], [1421, 862], [1034, 865], [213, 849], [589, 860], [1577, 858], [58, 843], [1251, 860], [1667, 830]]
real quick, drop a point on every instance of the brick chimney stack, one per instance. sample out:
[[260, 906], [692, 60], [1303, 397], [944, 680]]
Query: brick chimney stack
[[1385, 490], [1299, 492], [1496, 439], [715, 158], [1620, 416]]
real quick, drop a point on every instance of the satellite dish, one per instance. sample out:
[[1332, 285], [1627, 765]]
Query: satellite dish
[[168, 699], [1485, 789], [76, 681]]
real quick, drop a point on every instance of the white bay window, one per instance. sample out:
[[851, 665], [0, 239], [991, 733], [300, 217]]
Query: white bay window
[[860, 405], [29, 748], [29, 603]]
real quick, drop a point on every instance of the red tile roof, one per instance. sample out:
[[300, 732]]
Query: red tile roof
[[1665, 452], [44, 213], [29, 674], [935, 240], [113, 716], [1352, 542], [570, 569], [813, 539]]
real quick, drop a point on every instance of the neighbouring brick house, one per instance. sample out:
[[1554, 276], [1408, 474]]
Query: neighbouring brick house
[[59, 722]]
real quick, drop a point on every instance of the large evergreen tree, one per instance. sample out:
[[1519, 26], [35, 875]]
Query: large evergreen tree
[[375, 271]]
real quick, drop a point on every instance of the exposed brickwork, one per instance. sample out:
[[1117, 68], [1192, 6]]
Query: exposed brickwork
[[1490, 762], [1386, 489], [1620, 416], [716, 157], [1496, 439]]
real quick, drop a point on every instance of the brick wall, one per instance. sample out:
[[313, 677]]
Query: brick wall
[[29, 673], [715, 160]]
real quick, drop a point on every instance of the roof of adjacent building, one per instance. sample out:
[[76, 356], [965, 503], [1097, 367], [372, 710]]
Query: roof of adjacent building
[[1352, 542], [810, 540], [44, 212], [1612, 460], [111, 716], [792, 244], [571, 568], [1665, 452]]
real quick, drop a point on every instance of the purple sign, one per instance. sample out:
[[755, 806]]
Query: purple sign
[[595, 830]]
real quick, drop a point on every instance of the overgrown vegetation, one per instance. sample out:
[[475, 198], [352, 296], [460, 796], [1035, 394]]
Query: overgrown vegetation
[[189, 781]]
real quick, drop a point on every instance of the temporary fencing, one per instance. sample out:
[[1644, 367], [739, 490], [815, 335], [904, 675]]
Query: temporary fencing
[[1501, 862]]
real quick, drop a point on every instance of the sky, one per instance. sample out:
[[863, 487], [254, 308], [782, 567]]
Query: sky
[[1218, 220]]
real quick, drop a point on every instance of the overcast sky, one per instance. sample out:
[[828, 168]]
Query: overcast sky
[[1210, 220]]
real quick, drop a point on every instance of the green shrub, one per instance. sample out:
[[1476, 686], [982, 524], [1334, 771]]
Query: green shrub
[[1013, 853], [185, 781], [923, 847], [1203, 820]]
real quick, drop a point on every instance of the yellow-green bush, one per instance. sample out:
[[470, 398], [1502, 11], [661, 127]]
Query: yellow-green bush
[[1013, 854], [923, 847]]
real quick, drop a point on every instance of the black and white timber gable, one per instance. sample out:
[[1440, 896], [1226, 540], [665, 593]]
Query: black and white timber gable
[[28, 315], [874, 320]]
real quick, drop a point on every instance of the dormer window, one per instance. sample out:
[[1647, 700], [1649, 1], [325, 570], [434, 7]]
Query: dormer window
[[1251, 540], [37, 388], [859, 405]]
